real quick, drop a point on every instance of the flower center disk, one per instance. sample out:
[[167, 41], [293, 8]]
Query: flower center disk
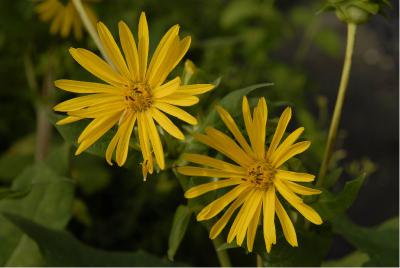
[[138, 97], [261, 174]]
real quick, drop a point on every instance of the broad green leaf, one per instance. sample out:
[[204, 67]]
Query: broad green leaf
[[381, 243], [60, 248], [313, 247], [330, 205], [49, 202], [354, 259], [178, 230]]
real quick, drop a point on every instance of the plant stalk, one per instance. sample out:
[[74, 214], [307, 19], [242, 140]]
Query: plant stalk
[[222, 255], [333, 129], [90, 28]]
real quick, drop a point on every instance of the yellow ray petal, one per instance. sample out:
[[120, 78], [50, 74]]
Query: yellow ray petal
[[155, 141], [209, 172], [86, 87], [175, 111], [230, 148], [294, 176], [67, 120], [98, 67], [97, 125], [248, 122], [213, 162], [286, 143], [250, 208], [269, 220], [235, 228], [175, 54], [252, 230], [160, 55], [308, 212], [219, 204], [291, 151], [77, 27], [167, 89], [210, 186], [300, 189], [111, 147], [144, 138], [280, 130], [86, 101], [260, 124], [123, 142], [221, 223], [233, 128], [180, 100], [195, 89], [56, 23], [167, 124], [97, 134], [67, 20], [286, 192], [287, 225], [143, 45], [99, 110], [47, 9], [130, 50], [112, 49]]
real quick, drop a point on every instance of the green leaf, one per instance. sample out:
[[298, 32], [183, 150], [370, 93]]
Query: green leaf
[[178, 230], [14, 194], [312, 249], [60, 248], [381, 243], [329, 204], [232, 102], [49, 202], [354, 259]]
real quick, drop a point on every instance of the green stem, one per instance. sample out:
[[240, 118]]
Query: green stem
[[222, 255], [90, 28], [351, 33]]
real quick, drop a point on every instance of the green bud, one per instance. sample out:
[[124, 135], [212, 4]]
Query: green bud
[[355, 11], [353, 14]]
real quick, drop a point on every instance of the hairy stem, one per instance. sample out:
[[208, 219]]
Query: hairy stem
[[90, 28], [333, 129]]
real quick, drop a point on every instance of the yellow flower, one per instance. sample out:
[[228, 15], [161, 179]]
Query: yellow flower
[[257, 176], [135, 93], [64, 17]]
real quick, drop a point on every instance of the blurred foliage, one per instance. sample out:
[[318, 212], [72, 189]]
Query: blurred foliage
[[241, 45]]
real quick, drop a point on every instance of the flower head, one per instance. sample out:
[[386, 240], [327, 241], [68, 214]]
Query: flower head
[[257, 177], [135, 94], [64, 17]]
